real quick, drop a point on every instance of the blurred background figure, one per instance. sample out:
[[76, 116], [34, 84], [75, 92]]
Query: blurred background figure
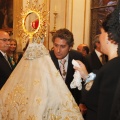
[[83, 48], [5, 65], [12, 53], [96, 58]]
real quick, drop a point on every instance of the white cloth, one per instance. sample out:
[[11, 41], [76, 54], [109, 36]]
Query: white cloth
[[35, 90], [99, 55], [77, 81]]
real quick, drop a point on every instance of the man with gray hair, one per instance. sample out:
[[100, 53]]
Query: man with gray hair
[[5, 67], [96, 58]]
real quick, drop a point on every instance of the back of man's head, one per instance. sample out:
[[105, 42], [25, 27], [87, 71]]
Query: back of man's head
[[80, 47]]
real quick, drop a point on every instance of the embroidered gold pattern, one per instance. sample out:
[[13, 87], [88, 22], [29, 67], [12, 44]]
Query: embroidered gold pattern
[[57, 74], [16, 101], [53, 117], [38, 100], [32, 118], [35, 82], [67, 108]]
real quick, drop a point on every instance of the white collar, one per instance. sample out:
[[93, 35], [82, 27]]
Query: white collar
[[3, 53], [98, 53], [66, 58]]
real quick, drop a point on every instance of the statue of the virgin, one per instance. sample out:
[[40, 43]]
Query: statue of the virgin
[[36, 91]]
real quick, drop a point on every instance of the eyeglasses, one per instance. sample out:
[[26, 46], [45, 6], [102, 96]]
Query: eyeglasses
[[5, 39]]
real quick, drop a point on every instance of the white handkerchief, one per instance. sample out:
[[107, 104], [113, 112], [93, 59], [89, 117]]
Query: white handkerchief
[[76, 82]]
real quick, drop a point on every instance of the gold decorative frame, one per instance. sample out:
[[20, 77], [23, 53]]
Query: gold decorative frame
[[40, 32], [30, 33]]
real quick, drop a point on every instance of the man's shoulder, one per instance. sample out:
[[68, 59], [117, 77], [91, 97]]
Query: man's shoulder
[[51, 52], [1, 54], [75, 54], [52, 55], [91, 54]]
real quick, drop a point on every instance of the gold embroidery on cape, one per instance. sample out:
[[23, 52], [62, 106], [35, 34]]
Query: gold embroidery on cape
[[16, 102], [72, 110], [57, 74], [38, 100], [35, 82], [32, 118], [53, 117]]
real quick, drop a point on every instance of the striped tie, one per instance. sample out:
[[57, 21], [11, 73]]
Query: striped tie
[[6, 58], [103, 61], [62, 68]]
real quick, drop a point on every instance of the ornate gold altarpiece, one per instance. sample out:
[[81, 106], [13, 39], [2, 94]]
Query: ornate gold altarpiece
[[18, 5]]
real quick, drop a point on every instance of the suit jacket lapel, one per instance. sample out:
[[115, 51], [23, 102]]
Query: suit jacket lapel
[[4, 60], [55, 61], [96, 58], [69, 67]]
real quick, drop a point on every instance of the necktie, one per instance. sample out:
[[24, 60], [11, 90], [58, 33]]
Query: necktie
[[5, 56], [62, 68], [103, 60]]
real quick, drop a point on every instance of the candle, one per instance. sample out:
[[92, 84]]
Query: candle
[[55, 8]]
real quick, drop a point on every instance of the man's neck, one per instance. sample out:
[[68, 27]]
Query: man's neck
[[98, 50]]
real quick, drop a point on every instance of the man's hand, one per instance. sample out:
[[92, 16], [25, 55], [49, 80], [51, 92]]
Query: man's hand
[[83, 108]]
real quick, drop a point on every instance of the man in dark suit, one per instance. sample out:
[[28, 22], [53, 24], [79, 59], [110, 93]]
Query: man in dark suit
[[63, 42], [5, 67], [96, 58]]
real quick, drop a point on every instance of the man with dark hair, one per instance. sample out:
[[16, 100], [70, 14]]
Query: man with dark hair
[[63, 42]]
